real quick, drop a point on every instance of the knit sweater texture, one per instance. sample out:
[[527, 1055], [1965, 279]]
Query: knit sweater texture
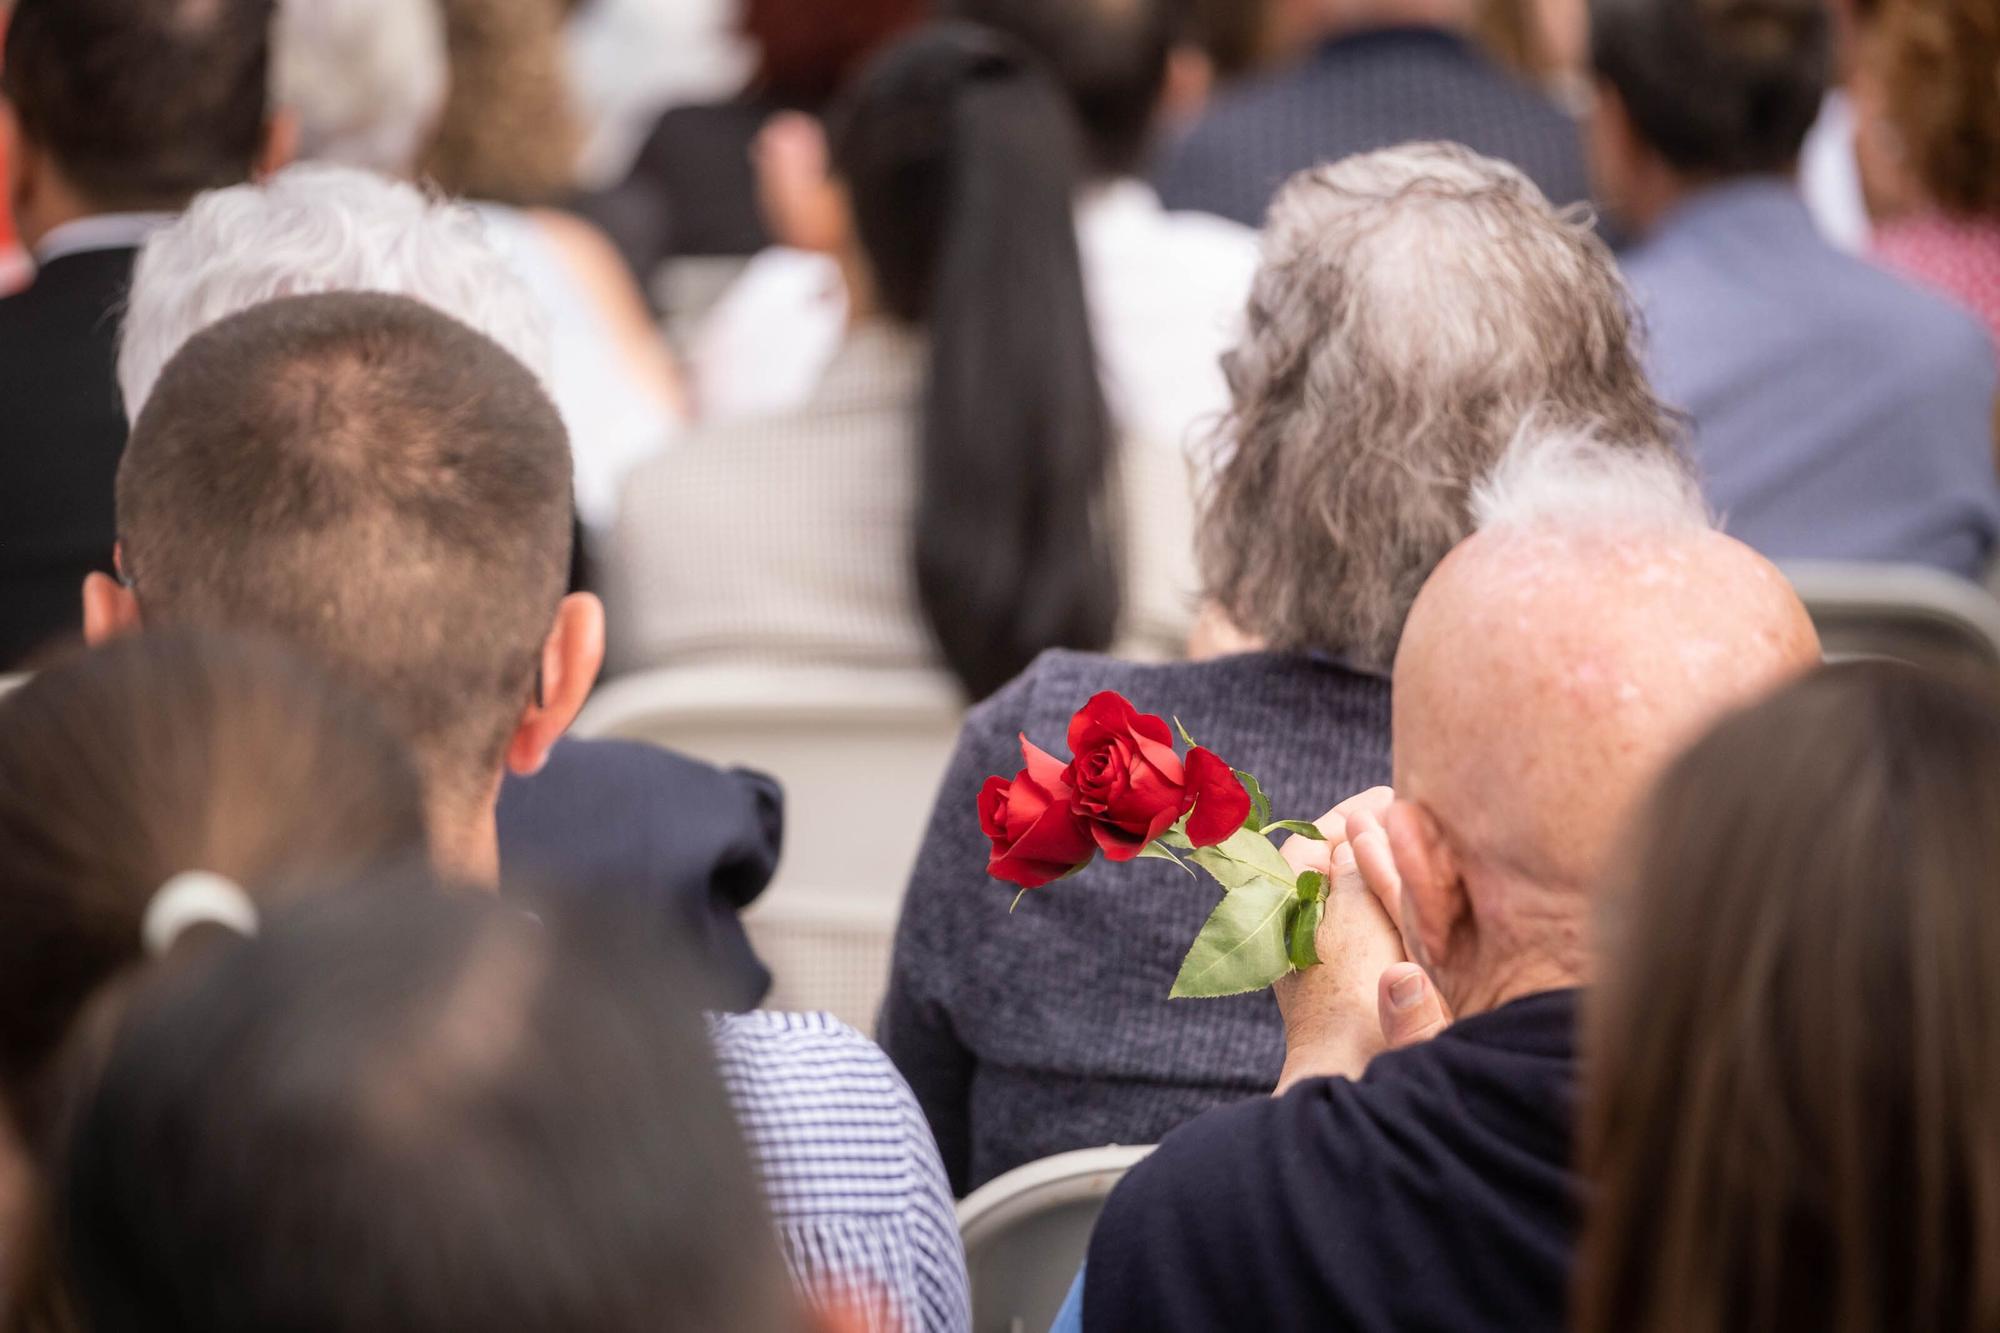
[[1044, 1029]]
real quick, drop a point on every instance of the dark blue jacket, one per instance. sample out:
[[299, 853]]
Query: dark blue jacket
[[639, 825]]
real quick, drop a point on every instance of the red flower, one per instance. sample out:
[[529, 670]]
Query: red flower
[[1131, 787], [1037, 836]]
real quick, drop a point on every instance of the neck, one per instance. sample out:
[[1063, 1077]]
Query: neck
[[465, 846], [1508, 981]]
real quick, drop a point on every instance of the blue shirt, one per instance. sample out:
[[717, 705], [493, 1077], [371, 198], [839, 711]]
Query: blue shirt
[[1838, 412], [850, 1170]]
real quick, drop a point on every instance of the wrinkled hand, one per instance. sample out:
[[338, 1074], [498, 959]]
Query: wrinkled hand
[[1332, 1024]]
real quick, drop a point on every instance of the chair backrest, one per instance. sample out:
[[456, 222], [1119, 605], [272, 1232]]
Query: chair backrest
[[860, 754], [1909, 613], [1026, 1235]]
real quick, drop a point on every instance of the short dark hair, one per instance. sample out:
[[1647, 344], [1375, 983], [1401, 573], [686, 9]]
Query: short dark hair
[[1718, 88], [363, 476], [416, 1112], [142, 103], [1110, 58]]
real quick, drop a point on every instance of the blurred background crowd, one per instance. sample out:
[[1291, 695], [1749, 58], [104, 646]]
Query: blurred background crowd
[[662, 459]]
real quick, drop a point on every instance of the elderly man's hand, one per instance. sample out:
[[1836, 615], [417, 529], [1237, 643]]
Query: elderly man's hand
[[1332, 1024]]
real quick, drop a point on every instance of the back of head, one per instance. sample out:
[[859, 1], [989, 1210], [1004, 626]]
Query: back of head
[[1794, 1080], [956, 152], [155, 756], [808, 49], [1937, 60], [508, 133], [316, 228], [424, 1114], [366, 78], [1717, 88], [1556, 661], [376, 483], [1415, 310], [141, 103], [1110, 56]]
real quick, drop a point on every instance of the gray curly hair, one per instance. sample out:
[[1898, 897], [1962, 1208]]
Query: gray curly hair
[[1417, 309]]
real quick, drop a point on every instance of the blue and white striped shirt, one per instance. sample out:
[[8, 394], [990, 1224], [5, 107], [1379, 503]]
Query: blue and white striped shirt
[[850, 1169]]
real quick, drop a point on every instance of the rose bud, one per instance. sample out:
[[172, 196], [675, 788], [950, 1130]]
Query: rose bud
[[1131, 787], [1037, 837]]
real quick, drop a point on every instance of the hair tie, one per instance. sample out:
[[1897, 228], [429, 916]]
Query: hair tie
[[195, 898]]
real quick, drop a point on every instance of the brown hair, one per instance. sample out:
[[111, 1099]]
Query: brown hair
[[364, 477], [156, 755], [143, 103], [507, 134], [1792, 1115], [1941, 74]]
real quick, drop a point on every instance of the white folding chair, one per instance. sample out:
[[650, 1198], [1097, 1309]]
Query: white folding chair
[[11, 683], [860, 754], [1027, 1232], [1909, 613]]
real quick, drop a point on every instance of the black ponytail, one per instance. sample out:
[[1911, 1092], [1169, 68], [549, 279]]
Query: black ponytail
[[960, 158]]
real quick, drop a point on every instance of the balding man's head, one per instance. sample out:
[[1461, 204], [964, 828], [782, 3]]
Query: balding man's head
[[1553, 665]]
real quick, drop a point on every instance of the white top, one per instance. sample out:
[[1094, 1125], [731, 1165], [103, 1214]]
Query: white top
[[1167, 295], [787, 540], [614, 423], [104, 231]]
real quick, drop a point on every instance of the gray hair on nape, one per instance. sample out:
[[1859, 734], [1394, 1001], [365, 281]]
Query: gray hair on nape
[[1576, 480], [316, 228], [366, 79], [1414, 309]]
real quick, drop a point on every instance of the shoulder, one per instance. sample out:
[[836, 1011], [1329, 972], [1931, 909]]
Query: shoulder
[[806, 1085], [597, 770]]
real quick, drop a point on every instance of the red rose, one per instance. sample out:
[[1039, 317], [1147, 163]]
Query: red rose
[[1037, 837], [1131, 787]]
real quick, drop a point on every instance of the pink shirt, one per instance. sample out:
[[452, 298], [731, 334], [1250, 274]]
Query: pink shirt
[[1958, 257]]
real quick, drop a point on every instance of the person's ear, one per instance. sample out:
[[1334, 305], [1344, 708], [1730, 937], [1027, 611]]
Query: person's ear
[[281, 144], [110, 610], [1434, 896], [572, 655], [1190, 83]]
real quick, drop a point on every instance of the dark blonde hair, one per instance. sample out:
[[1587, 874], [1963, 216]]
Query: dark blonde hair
[[1792, 1109], [1941, 73], [507, 134]]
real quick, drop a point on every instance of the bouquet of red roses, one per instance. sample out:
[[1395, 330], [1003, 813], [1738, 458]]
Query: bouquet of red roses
[[1128, 794]]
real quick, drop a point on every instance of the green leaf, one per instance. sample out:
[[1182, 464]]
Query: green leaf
[[1298, 826], [1186, 739], [1244, 856], [1303, 944], [1242, 947], [1311, 886], [1260, 804], [1176, 837], [1153, 851]]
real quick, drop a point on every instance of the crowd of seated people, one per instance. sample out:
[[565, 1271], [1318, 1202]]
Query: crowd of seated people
[[1420, 401]]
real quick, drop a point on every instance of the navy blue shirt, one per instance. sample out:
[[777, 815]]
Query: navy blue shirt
[[1358, 93], [1434, 1193]]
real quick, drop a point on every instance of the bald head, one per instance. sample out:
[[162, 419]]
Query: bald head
[[1559, 658]]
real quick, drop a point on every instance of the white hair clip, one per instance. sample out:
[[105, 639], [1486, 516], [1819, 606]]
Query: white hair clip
[[195, 898]]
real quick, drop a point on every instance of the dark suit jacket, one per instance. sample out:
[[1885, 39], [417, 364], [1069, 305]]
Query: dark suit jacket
[[644, 827], [1362, 92], [62, 429]]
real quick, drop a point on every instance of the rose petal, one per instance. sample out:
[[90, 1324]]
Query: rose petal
[[1220, 802], [1045, 769], [1056, 843], [1115, 843]]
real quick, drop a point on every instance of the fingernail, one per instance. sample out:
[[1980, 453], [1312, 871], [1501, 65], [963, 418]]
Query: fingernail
[[1343, 857], [1405, 993]]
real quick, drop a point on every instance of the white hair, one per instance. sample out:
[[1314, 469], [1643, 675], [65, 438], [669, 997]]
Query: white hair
[[1577, 479], [317, 228], [367, 79]]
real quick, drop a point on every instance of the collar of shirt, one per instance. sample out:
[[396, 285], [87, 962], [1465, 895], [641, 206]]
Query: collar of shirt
[[1768, 205], [104, 231]]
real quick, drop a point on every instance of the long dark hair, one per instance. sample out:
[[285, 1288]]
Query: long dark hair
[[1792, 1116], [959, 156]]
